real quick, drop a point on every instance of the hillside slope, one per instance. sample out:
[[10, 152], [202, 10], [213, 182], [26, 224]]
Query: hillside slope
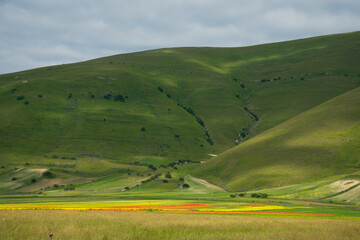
[[318, 143], [168, 104]]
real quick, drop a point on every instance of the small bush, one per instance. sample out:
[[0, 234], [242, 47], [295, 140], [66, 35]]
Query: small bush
[[168, 175], [185, 185], [152, 167], [210, 141], [259, 195], [200, 121], [143, 129], [181, 179], [20, 97], [232, 195], [14, 179], [168, 95], [40, 96], [26, 102], [165, 181], [177, 136], [119, 98], [56, 186], [54, 156], [127, 188], [242, 85], [2, 166], [70, 95], [244, 132], [189, 110], [33, 180], [48, 174], [160, 89], [108, 96]]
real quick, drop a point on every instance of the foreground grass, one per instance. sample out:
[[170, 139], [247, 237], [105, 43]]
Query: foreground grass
[[115, 225]]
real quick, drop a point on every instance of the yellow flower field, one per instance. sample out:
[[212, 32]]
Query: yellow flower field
[[165, 206]]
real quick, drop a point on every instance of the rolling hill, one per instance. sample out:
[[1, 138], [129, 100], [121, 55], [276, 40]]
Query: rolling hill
[[318, 143], [113, 115]]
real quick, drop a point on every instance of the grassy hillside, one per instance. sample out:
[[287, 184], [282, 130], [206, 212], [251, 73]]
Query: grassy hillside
[[318, 143], [160, 106]]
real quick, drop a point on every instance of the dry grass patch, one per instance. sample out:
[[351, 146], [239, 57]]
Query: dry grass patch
[[114, 225]]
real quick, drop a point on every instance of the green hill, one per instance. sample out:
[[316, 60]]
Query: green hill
[[318, 143], [160, 106]]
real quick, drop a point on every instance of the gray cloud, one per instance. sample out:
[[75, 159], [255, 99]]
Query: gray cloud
[[36, 33]]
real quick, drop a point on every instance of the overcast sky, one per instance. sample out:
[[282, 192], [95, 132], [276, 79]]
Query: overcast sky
[[35, 33]]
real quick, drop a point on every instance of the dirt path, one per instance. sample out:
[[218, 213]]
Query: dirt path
[[205, 183]]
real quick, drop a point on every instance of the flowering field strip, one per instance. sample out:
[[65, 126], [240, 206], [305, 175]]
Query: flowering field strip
[[247, 208], [125, 208], [177, 208]]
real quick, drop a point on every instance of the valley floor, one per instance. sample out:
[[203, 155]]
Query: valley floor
[[193, 218]]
